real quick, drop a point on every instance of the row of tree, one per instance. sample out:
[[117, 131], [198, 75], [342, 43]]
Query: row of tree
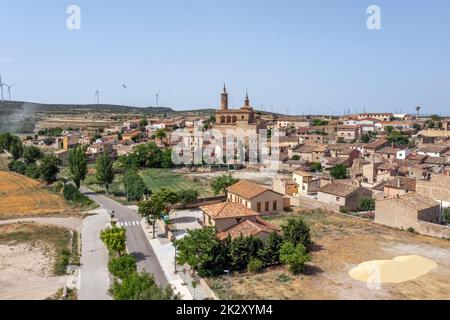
[[129, 284], [209, 256]]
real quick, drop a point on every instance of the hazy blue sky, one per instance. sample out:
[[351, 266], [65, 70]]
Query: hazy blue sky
[[292, 55]]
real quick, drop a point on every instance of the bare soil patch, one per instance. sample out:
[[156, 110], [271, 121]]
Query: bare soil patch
[[32, 260]]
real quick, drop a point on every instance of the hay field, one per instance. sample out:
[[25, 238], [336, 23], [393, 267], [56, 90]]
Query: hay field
[[21, 196]]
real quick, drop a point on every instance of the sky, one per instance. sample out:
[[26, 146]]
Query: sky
[[294, 57]]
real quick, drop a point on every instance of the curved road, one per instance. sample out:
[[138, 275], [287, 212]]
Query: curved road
[[137, 242]]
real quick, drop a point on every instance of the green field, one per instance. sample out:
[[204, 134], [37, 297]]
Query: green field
[[157, 179]]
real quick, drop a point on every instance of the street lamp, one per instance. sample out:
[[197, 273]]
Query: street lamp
[[228, 283], [175, 237]]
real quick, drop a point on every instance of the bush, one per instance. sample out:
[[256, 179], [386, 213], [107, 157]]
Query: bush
[[122, 266], [32, 171], [446, 215], [295, 256], [71, 193], [366, 204], [344, 209], [17, 166], [255, 265]]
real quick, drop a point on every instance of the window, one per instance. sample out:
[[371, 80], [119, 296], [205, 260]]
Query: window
[[338, 198], [275, 205], [267, 206], [246, 203], [258, 207]]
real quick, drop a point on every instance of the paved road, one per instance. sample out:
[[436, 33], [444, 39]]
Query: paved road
[[137, 243]]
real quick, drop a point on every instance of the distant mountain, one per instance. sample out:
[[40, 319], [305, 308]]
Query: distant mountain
[[14, 106]]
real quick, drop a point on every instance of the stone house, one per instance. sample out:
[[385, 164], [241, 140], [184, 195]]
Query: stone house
[[285, 186], [342, 195], [255, 197], [398, 186], [234, 219], [411, 210], [306, 183]]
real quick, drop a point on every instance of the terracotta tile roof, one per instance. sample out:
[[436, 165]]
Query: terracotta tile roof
[[417, 201], [434, 149], [303, 173], [246, 189], [388, 150], [248, 228], [339, 189], [338, 160], [403, 183], [225, 210], [376, 144]]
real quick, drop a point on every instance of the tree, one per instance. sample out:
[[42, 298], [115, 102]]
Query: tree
[[32, 171], [315, 166], [398, 138], [15, 148], [339, 172], [17, 166], [242, 249], [389, 129], [122, 266], [296, 231], [144, 122], [220, 184], [365, 138], [271, 252], [49, 168], [140, 286], [160, 134], [166, 159], [135, 187], [366, 204], [114, 238], [151, 210], [5, 141], [77, 165], [255, 265], [31, 154], [105, 171], [187, 196], [295, 157], [295, 256], [167, 198], [196, 248]]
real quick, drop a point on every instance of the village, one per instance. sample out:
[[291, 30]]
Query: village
[[376, 183]]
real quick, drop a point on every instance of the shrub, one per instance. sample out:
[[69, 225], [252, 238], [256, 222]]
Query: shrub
[[122, 266], [344, 209], [32, 171], [366, 204], [295, 256], [17, 166], [71, 193], [446, 215], [255, 265]]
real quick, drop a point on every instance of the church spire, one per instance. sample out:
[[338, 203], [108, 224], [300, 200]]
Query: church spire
[[247, 100], [224, 99]]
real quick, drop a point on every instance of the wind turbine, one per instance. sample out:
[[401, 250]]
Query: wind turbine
[[9, 90], [1, 86], [97, 95]]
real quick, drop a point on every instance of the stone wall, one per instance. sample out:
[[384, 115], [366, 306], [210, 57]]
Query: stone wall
[[437, 188]]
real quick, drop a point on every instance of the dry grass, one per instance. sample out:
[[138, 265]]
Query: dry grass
[[21, 196], [340, 243]]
